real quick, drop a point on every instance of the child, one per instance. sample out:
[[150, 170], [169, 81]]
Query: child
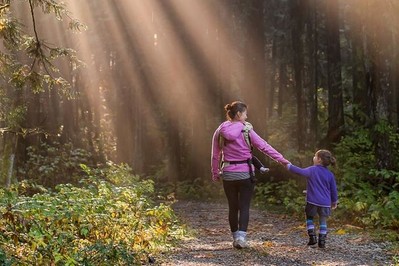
[[321, 196]]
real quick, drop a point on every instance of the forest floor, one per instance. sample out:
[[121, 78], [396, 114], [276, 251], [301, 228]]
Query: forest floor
[[274, 239]]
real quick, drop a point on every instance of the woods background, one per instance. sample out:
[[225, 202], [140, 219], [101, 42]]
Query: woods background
[[107, 110], [148, 80]]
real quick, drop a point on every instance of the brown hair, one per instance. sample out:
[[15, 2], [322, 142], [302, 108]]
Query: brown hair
[[233, 108], [326, 157]]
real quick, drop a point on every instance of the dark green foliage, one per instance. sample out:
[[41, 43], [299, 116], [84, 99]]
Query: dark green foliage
[[197, 189], [49, 165], [4, 259], [368, 195], [286, 195]]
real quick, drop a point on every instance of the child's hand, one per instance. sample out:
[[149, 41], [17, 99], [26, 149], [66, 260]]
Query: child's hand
[[334, 205]]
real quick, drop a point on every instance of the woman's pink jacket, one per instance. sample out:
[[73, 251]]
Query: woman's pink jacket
[[235, 148]]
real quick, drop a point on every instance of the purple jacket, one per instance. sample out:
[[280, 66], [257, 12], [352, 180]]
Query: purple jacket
[[236, 149], [321, 189]]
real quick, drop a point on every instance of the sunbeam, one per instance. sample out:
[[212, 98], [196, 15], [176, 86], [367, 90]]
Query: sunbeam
[[170, 61]]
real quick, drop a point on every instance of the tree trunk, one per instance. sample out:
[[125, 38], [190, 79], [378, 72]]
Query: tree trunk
[[380, 55], [272, 89], [361, 109], [297, 13], [282, 86], [314, 121], [335, 96], [310, 84], [254, 85]]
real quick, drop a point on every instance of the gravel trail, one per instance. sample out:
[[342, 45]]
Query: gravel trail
[[274, 240]]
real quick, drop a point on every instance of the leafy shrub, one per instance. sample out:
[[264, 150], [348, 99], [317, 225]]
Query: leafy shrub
[[49, 165], [197, 189], [368, 195], [97, 224], [286, 194]]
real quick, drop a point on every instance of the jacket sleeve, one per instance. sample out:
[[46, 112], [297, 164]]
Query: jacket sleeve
[[333, 189], [300, 171], [215, 155], [266, 148]]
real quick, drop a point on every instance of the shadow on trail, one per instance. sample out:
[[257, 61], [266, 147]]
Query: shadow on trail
[[273, 239]]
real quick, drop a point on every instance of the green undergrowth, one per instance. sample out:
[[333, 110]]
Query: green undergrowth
[[283, 196], [111, 219], [197, 189]]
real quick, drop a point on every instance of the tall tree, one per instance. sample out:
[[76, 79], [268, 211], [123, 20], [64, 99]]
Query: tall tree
[[335, 90], [28, 71], [310, 70], [297, 12], [357, 21], [380, 51], [254, 64]]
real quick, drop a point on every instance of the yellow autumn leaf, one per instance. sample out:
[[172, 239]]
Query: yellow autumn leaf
[[267, 244], [341, 232]]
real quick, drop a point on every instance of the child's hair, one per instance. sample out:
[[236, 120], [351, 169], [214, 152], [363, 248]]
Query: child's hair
[[233, 108], [326, 157]]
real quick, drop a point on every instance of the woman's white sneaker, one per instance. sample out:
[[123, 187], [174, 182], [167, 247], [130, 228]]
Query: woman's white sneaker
[[240, 243]]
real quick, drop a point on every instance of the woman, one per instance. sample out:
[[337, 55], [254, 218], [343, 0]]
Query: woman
[[231, 162]]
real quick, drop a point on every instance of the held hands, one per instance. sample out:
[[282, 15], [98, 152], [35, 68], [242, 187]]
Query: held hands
[[287, 165]]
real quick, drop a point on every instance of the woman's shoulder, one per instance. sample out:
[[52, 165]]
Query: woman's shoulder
[[231, 124], [231, 130]]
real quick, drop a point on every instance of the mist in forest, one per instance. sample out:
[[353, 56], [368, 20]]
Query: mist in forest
[[156, 74]]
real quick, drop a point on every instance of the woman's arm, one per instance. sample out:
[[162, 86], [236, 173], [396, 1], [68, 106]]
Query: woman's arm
[[215, 156], [266, 148]]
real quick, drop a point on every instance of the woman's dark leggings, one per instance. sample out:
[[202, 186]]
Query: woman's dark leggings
[[239, 194]]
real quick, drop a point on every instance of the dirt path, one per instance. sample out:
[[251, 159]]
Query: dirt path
[[273, 239]]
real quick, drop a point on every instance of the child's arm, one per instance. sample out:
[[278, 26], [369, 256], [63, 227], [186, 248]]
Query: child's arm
[[300, 171], [334, 192]]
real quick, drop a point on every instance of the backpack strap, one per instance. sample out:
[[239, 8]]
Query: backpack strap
[[221, 145], [247, 128]]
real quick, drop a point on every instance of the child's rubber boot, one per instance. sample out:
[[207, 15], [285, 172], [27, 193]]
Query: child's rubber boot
[[322, 240], [312, 238]]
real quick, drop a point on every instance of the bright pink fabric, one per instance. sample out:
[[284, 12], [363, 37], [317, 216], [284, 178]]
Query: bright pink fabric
[[236, 149]]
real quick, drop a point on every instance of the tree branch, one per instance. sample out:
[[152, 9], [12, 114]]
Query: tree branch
[[38, 43], [4, 7]]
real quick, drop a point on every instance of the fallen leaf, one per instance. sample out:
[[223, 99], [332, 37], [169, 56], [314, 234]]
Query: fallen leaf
[[267, 244]]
